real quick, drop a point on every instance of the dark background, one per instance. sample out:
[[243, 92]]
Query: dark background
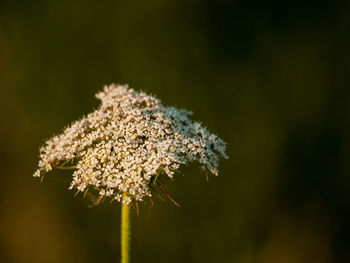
[[271, 78]]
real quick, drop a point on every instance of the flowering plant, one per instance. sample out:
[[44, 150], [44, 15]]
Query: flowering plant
[[123, 147]]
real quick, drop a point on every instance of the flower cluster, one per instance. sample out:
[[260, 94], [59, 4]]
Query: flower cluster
[[124, 145]]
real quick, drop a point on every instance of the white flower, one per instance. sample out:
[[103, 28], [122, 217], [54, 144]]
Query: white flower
[[127, 200], [124, 145], [118, 197]]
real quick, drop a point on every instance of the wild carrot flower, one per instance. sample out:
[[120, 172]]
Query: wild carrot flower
[[127, 143]]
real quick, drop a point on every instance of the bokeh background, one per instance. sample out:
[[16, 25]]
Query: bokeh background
[[269, 77]]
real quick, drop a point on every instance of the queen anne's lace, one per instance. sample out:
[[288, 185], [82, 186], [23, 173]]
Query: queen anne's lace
[[129, 140]]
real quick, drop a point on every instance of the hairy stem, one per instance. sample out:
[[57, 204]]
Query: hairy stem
[[125, 232]]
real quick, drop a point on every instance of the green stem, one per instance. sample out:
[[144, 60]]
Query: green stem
[[125, 232]]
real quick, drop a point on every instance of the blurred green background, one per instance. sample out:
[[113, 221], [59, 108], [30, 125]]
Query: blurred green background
[[271, 78]]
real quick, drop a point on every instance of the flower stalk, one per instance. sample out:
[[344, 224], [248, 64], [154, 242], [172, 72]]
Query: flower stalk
[[125, 232]]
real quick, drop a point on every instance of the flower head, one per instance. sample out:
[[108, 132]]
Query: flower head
[[124, 145]]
